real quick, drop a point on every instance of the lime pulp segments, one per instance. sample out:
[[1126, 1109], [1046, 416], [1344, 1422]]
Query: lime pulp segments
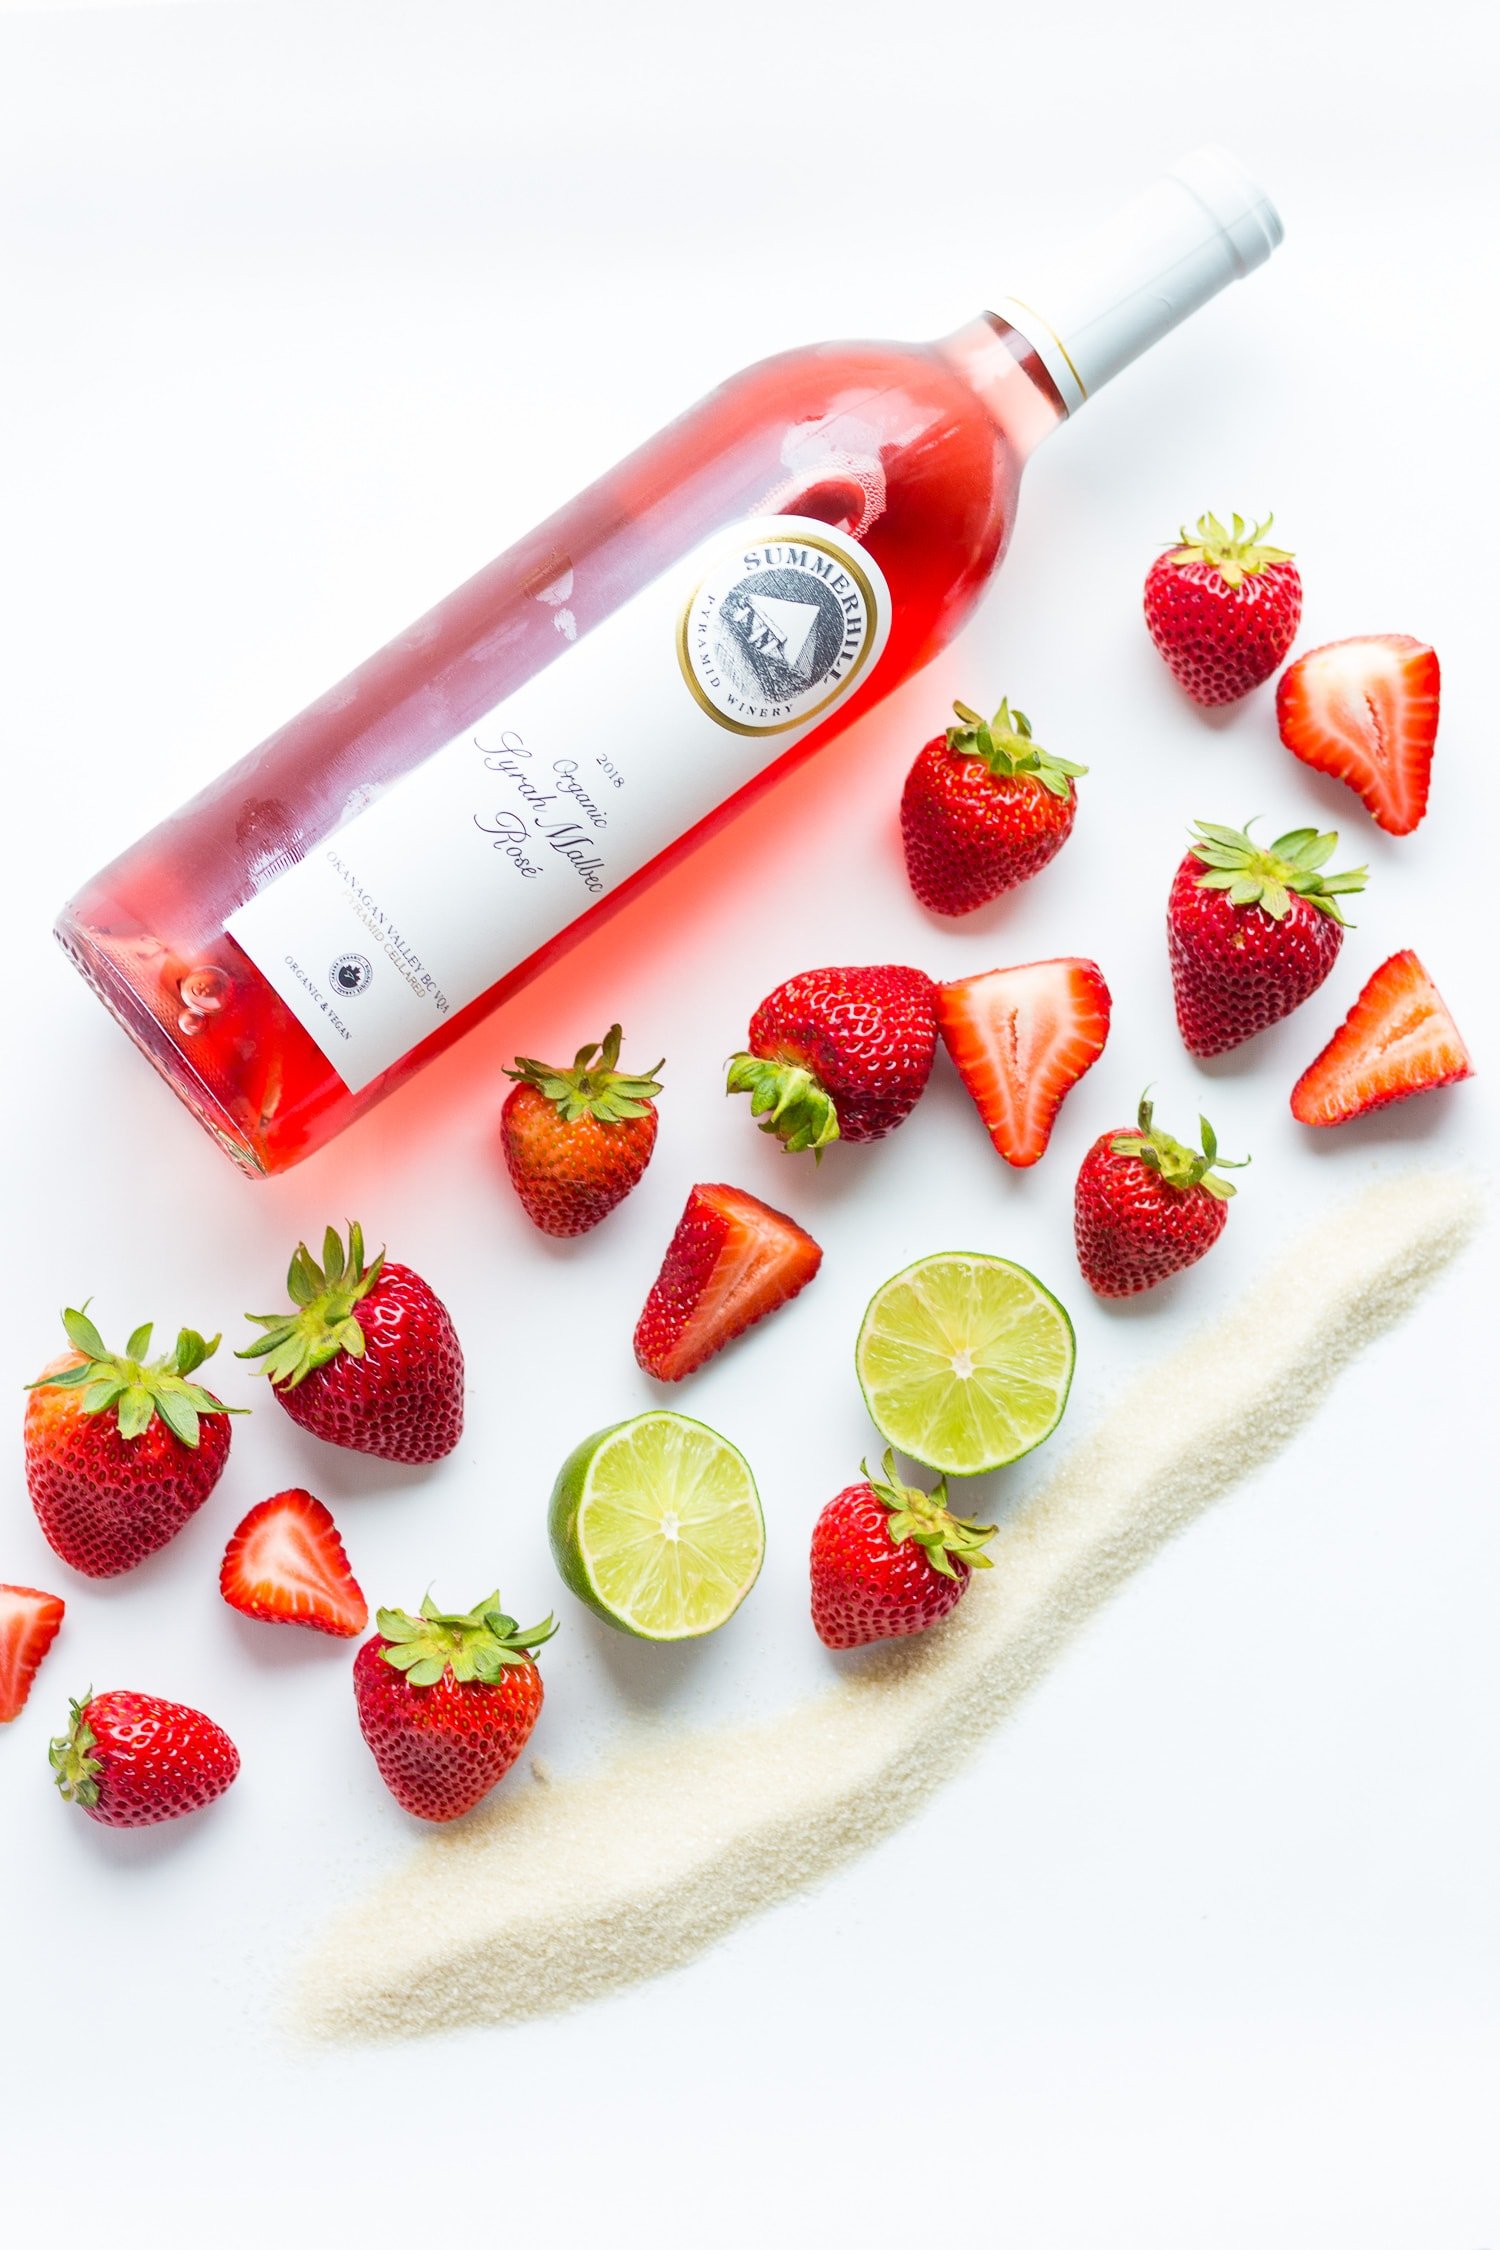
[[965, 1362], [656, 1524]]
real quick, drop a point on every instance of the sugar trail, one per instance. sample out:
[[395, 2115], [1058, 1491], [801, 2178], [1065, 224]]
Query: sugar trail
[[563, 1891]]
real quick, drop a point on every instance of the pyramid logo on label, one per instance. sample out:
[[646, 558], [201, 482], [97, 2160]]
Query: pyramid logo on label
[[777, 629], [784, 630]]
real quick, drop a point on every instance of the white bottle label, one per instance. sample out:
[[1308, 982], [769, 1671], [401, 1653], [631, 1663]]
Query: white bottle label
[[499, 840]]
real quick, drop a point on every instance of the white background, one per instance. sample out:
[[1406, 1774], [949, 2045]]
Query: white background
[[311, 309]]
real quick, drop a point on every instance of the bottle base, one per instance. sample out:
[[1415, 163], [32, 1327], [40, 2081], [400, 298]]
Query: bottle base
[[105, 975]]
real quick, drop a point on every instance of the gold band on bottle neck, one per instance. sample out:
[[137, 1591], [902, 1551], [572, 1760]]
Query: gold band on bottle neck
[[1020, 305]]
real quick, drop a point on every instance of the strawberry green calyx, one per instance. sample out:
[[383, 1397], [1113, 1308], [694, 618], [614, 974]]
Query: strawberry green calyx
[[74, 1767], [593, 1087], [1271, 875], [135, 1388], [1004, 743], [1179, 1167], [923, 1518], [787, 1100], [324, 1323], [1236, 554], [478, 1644]]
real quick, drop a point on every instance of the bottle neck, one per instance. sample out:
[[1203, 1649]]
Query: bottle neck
[[1005, 370], [1147, 269]]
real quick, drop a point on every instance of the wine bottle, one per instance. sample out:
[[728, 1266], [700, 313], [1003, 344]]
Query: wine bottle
[[393, 863]]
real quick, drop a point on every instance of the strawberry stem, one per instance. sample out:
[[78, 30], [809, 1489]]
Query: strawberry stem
[[1271, 875], [593, 1087], [1179, 1167], [787, 1100], [323, 1323], [131, 1387], [924, 1518], [74, 1767], [1236, 554], [1004, 743], [475, 1644]]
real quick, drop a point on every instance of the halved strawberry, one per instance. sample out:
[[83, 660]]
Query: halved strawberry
[[1366, 711], [1397, 1039], [28, 1627], [1020, 1038], [286, 1564], [732, 1260]]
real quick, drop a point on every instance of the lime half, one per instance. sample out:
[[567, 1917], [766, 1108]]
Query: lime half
[[965, 1362], [656, 1524]]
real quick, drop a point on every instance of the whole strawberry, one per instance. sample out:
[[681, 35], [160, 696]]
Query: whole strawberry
[[447, 1703], [131, 1760], [1223, 609], [576, 1141], [888, 1559], [1252, 930], [1145, 1207], [368, 1358], [984, 808], [838, 1054], [121, 1449]]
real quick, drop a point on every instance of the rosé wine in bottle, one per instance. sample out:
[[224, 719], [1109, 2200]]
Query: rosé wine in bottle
[[396, 861]]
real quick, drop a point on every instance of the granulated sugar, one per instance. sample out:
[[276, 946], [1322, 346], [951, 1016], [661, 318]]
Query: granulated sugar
[[569, 1888]]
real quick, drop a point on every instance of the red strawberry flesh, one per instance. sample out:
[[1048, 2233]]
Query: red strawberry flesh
[[1397, 1039], [29, 1621], [1366, 712], [1020, 1039], [732, 1260], [286, 1565]]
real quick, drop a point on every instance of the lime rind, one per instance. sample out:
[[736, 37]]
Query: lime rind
[[656, 1524], [965, 1361]]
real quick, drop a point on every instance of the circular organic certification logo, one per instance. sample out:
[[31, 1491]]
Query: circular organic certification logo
[[775, 631], [350, 975]]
